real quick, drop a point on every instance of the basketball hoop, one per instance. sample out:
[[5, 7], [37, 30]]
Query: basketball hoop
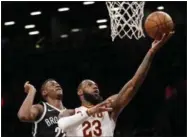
[[126, 18]]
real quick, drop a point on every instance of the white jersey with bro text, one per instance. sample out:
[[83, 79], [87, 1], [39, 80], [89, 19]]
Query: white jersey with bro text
[[98, 125]]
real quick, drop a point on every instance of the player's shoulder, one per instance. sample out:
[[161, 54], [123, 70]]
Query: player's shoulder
[[40, 109], [112, 97], [40, 106]]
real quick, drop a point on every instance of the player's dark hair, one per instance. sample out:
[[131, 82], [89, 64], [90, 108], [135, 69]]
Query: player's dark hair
[[45, 82], [81, 84]]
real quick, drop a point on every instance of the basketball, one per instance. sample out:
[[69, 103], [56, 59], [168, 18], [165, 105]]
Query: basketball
[[158, 23]]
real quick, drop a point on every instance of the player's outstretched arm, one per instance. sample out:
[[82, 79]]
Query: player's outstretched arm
[[130, 88], [29, 112], [68, 119]]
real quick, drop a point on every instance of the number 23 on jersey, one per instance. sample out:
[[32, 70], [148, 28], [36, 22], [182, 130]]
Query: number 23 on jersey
[[91, 129]]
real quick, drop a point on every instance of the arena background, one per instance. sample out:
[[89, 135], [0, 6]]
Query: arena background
[[159, 106]]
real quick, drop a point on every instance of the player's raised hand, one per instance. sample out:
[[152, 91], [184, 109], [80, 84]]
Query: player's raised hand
[[101, 107], [159, 43], [28, 87]]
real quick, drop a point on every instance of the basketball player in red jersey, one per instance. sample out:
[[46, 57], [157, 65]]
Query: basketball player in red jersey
[[44, 115], [86, 120]]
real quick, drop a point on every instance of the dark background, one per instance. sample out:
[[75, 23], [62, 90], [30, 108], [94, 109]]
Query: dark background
[[91, 54]]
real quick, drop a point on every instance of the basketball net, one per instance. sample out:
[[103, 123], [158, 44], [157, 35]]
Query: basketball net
[[126, 18]]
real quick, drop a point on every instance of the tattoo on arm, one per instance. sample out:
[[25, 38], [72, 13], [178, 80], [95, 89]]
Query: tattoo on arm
[[130, 88], [141, 73]]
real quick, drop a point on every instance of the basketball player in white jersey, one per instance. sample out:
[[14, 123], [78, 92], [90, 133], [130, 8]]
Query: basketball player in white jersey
[[88, 120]]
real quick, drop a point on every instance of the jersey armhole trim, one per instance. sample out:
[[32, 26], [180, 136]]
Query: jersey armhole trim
[[43, 114], [35, 129]]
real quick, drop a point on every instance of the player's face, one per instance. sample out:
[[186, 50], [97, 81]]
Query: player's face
[[53, 89], [91, 92]]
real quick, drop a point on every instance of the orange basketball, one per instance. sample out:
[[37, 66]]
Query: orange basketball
[[158, 23]]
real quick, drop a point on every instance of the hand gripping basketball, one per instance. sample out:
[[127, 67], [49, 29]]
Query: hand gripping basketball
[[159, 43], [29, 88]]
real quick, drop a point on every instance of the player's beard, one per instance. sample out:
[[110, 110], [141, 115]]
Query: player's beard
[[93, 99]]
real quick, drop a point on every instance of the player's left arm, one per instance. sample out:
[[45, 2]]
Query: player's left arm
[[69, 119], [125, 95]]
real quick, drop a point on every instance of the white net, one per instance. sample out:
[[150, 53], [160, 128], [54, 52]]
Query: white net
[[126, 18]]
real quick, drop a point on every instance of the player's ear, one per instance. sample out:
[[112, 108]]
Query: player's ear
[[44, 93], [80, 92]]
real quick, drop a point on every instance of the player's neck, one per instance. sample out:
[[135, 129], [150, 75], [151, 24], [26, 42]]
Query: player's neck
[[87, 104], [56, 103]]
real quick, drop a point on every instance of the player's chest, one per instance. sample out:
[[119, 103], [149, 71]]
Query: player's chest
[[96, 120], [51, 119], [93, 126]]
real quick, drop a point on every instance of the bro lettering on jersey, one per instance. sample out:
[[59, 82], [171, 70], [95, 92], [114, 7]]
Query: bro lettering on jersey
[[51, 121], [46, 125]]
